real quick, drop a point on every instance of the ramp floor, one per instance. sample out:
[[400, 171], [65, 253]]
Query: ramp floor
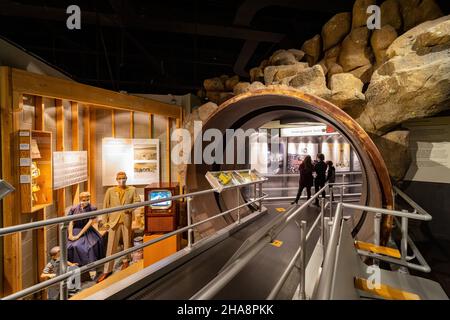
[[256, 280]]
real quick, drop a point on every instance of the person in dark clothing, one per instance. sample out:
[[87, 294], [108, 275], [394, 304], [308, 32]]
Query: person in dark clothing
[[306, 178], [320, 168], [331, 176]]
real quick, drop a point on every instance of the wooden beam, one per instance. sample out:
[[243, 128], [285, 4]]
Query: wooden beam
[[60, 193], [113, 123], [75, 126], [59, 125], [12, 244], [131, 125], [150, 125], [168, 149], [86, 141], [41, 85], [178, 125], [75, 144], [41, 234], [92, 153], [39, 117]]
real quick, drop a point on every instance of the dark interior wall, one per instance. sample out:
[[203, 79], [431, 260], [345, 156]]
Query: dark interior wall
[[427, 181], [434, 198]]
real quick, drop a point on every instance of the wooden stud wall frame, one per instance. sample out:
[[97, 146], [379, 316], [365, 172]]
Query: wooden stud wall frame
[[35, 169], [15, 83]]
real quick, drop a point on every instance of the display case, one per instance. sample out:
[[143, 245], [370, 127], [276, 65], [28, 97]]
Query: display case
[[162, 216], [35, 170], [221, 180]]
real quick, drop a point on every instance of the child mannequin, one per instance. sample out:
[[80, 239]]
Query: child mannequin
[[51, 270]]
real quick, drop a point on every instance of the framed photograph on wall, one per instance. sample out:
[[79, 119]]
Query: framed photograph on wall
[[139, 158]]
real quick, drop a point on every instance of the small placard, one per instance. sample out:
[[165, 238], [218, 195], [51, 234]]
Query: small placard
[[25, 162], [24, 146], [277, 243], [25, 178], [24, 133]]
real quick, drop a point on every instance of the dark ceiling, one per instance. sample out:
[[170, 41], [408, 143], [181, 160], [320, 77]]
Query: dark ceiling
[[163, 46]]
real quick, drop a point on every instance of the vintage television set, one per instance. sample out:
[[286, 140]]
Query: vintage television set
[[163, 216]]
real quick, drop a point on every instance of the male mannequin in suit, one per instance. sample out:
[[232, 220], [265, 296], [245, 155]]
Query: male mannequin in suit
[[118, 223]]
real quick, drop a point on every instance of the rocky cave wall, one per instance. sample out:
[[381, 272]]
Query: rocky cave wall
[[381, 78]]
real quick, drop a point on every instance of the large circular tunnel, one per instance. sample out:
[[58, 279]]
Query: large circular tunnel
[[252, 110]]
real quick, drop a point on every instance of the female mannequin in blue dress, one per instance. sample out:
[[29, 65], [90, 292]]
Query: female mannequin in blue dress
[[85, 244]]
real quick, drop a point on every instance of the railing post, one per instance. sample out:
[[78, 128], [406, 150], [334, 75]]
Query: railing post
[[394, 197], [302, 293], [325, 233], [331, 191], [238, 210], [330, 227], [376, 227], [63, 289], [377, 232], [188, 208], [404, 243], [322, 223], [260, 196]]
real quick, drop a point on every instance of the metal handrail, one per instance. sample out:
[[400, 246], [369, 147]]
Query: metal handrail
[[329, 261], [409, 215], [411, 202], [338, 173], [296, 188], [65, 220], [240, 261], [291, 264], [299, 252], [326, 281], [92, 214]]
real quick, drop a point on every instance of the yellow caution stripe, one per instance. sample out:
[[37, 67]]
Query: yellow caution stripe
[[385, 291], [277, 243], [377, 249], [280, 209]]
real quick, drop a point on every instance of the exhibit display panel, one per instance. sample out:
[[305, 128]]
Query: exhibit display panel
[[220, 180], [138, 158], [46, 119], [297, 151], [356, 163], [69, 168], [337, 151], [35, 169], [296, 143]]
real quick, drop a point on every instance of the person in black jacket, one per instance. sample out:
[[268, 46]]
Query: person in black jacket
[[320, 168], [306, 178], [331, 176]]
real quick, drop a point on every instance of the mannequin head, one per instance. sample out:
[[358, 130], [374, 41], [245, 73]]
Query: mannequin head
[[85, 198], [121, 179], [54, 253]]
